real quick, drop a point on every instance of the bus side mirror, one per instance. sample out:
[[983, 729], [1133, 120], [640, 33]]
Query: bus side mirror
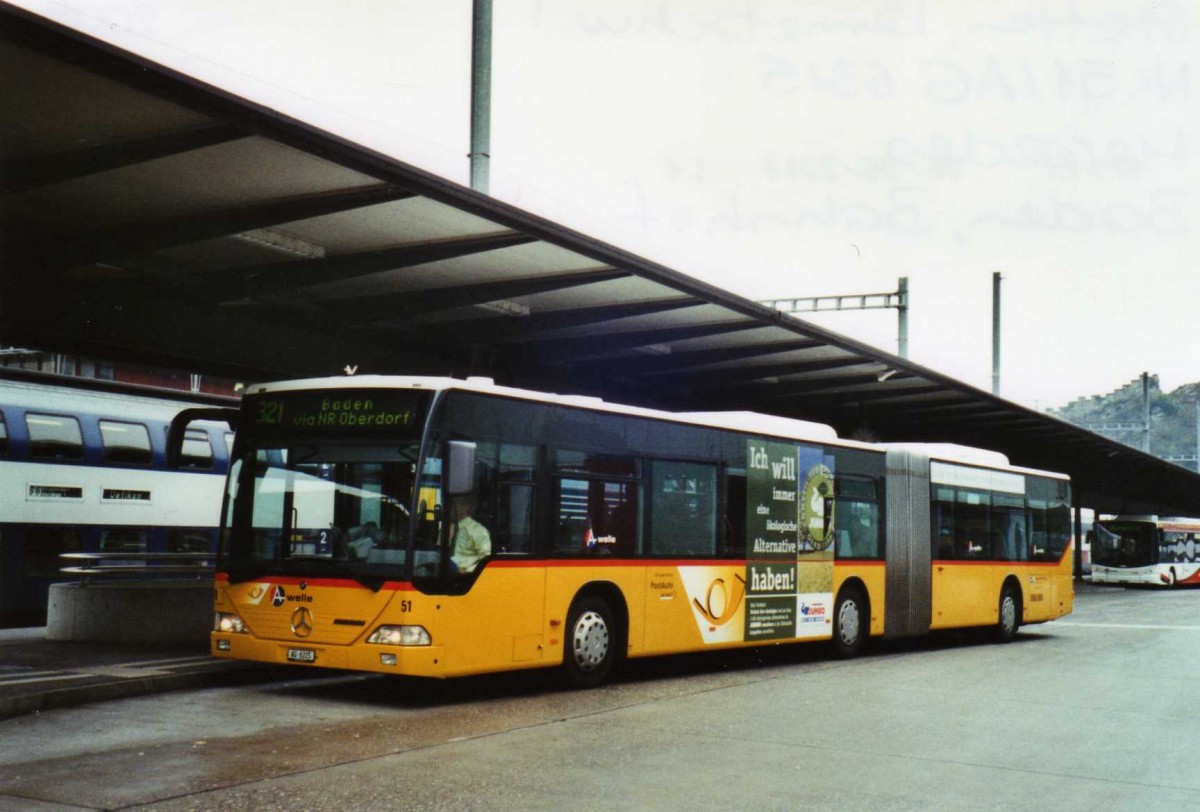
[[178, 428], [460, 468]]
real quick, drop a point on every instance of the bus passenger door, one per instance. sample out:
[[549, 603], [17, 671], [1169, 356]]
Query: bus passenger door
[[502, 614]]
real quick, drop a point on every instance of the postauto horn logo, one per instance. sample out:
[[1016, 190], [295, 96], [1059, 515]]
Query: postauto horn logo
[[717, 599]]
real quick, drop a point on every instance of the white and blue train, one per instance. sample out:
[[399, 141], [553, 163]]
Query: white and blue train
[[83, 469]]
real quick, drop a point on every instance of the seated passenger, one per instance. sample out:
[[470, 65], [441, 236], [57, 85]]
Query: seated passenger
[[470, 541], [359, 544]]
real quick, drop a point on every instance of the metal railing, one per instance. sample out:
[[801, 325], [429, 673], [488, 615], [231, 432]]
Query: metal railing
[[137, 565]]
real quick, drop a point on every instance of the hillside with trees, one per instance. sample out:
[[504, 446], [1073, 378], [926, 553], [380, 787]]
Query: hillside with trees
[[1172, 417]]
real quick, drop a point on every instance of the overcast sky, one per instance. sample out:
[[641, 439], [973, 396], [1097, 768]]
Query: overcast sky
[[780, 148]]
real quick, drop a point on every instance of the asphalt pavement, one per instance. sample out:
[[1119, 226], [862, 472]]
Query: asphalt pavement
[[37, 674]]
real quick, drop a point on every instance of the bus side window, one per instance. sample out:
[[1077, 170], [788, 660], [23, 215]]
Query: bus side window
[[1039, 537], [972, 536], [510, 509], [571, 522], [597, 517], [1058, 530], [1008, 527], [598, 504], [856, 518], [734, 524], [683, 517], [942, 524]]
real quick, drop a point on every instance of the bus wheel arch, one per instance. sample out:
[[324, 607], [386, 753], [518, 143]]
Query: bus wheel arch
[[851, 618], [594, 640], [1010, 610]]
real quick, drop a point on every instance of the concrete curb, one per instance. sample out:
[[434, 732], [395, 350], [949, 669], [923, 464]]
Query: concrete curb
[[71, 696]]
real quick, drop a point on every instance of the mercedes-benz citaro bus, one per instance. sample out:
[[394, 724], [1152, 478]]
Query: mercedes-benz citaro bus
[[439, 527], [1146, 550]]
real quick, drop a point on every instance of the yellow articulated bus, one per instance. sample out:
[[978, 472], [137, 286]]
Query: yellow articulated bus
[[438, 527]]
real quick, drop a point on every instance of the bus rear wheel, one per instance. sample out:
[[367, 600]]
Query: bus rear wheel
[[849, 617], [592, 643], [1010, 615]]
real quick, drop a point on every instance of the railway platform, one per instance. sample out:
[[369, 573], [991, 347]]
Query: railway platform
[[39, 674]]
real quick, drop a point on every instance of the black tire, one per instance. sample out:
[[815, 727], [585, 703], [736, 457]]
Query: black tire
[[592, 644], [850, 622], [1009, 619]]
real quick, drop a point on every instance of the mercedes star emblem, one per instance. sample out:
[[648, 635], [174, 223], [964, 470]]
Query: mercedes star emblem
[[302, 621]]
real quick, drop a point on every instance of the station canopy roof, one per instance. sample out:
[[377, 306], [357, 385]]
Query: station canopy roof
[[151, 217]]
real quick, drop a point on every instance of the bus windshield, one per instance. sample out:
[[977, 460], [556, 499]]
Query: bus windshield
[[324, 483], [320, 510], [1125, 544]]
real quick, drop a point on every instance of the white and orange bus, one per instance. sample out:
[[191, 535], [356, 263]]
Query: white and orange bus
[[1146, 550], [439, 527]]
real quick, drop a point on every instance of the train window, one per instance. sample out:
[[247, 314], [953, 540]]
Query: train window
[[123, 540], [41, 546], [197, 450], [3, 435], [125, 442], [54, 436], [190, 540]]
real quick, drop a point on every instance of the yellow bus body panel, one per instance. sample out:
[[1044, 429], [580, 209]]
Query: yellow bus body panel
[[968, 594], [516, 613], [873, 575]]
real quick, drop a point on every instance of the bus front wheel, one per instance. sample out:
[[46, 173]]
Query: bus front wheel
[[1010, 615], [592, 642], [849, 619]]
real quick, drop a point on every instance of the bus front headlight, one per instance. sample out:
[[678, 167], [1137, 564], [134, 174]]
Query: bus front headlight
[[400, 636], [228, 622]]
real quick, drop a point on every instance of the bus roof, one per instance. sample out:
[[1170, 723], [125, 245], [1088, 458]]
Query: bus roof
[[769, 425], [736, 420], [969, 455], [1166, 522]]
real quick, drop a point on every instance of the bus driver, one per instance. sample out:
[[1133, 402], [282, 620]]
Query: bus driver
[[470, 541]]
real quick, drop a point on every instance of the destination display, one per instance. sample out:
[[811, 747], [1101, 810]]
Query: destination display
[[331, 412], [789, 533]]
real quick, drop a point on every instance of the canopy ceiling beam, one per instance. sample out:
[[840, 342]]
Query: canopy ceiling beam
[[583, 349], [367, 309], [717, 378], [696, 359], [505, 329], [32, 172], [255, 280], [112, 244]]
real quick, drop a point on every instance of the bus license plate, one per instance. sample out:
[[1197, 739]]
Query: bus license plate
[[302, 655]]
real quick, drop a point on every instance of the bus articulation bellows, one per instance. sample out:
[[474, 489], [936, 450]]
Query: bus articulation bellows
[[438, 527]]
